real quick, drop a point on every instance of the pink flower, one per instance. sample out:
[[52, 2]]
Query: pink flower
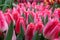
[[33, 4], [39, 26], [37, 18], [3, 23], [46, 13], [57, 13], [20, 22], [9, 18], [15, 14], [52, 29], [29, 31], [28, 5], [14, 35]]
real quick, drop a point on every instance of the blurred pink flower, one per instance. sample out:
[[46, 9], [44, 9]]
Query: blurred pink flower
[[33, 4], [9, 18], [3, 23], [29, 31], [39, 26], [20, 22], [52, 29], [37, 18], [57, 13], [14, 35], [15, 14]]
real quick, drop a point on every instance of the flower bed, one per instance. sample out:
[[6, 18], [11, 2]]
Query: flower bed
[[32, 20]]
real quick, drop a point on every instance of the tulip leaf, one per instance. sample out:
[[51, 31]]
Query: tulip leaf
[[36, 36], [21, 35], [42, 37], [7, 3], [1, 4], [46, 20], [30, 19], [43, 20], [23, 15], [10, 32]]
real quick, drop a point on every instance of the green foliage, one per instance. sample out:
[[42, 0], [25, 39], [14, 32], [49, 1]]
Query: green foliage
[[30, 19], [10, 32], [6, 4], [36, 36]]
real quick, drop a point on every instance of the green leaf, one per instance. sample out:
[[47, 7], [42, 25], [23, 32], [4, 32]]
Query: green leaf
[[23, 15], [1, 4], [21, 35], [7, 3], [36, 36], [42, 37], [30, 19], [10, 32], [43, 20], [46, 20]]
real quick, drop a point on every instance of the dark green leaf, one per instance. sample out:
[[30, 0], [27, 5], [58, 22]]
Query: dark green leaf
[[42, 37], [7, 3], [46, 20], [36, 36], [10, 32], [43, 20], [30, 19]]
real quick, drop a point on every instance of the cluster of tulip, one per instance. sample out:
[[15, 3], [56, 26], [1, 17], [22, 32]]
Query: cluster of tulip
[[45, 1], [34, 19]]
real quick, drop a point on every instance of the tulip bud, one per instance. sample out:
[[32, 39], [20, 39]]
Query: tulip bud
[[3, 23], [29, 31], [18, 24], [51, 29], [39, 27]]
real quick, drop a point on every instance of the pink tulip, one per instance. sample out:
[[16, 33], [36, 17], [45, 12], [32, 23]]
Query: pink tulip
[[33, 4], [3, 23], [39, 26], [57, 13], [15, 14], [28, 5], [29, 31], [37, 18], [40, 7], [52, 29], [46, 13], [20, 22], [9, 18]]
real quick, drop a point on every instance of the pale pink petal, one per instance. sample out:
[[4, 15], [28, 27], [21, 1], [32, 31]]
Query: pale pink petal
[[14, 36]]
